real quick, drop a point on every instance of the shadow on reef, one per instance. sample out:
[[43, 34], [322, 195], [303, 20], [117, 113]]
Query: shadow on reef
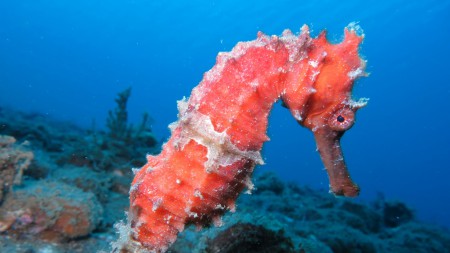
[[249, 238], [68, 186]]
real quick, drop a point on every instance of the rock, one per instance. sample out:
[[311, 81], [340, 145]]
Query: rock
[[249, 238], [51, 211], [396, 213], [13, 161]]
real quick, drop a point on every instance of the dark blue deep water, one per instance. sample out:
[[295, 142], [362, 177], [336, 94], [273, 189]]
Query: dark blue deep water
[[69, 59]]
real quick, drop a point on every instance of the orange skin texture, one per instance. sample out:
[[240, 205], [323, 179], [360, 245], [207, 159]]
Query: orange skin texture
[[215, 144]]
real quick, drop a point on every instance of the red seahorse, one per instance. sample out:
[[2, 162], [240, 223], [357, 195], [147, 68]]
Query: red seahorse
[[217, 139]]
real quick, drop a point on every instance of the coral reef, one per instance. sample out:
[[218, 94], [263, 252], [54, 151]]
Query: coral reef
[[44, 133]]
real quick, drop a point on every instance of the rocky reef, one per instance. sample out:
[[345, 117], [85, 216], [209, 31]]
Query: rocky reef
[[52, 211], [63, 184], [14, 159], [304, 220], [66, 185]]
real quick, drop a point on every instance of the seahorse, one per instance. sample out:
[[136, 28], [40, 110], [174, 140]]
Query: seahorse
[[216, 142]]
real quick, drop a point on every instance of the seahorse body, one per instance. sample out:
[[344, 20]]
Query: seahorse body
[[216, 142]]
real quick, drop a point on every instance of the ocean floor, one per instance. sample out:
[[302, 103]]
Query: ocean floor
[[62, 189]]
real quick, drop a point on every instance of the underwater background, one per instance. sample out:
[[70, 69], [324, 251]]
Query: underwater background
[[68, 60]]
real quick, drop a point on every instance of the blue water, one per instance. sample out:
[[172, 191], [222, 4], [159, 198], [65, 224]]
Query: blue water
[[69, 59]]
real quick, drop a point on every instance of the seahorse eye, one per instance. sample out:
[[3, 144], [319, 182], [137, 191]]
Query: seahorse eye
[[342, 119]]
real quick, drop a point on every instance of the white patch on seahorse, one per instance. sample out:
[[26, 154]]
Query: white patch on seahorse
[[198, 194], [297, 115], [249, 184], [219, 207], [254, 84], [182, 106], [156, 204], [135, 170], [358, 104], [149, 169], [313, 76], [188, 211], [296, 44], [135, 186], [220, 150], [125, 238], [217, 221], [167, 219], [231, 206], [192, 214], [354, 26], [241, 99], [313, 64], [355, 73]]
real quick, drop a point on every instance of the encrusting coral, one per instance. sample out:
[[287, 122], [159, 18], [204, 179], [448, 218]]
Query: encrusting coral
[[14, 159], [51, 211]]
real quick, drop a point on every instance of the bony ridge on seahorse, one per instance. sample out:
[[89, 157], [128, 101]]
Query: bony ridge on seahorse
[[217, 139]]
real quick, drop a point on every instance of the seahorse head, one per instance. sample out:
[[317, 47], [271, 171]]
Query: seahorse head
[[330, 109]]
